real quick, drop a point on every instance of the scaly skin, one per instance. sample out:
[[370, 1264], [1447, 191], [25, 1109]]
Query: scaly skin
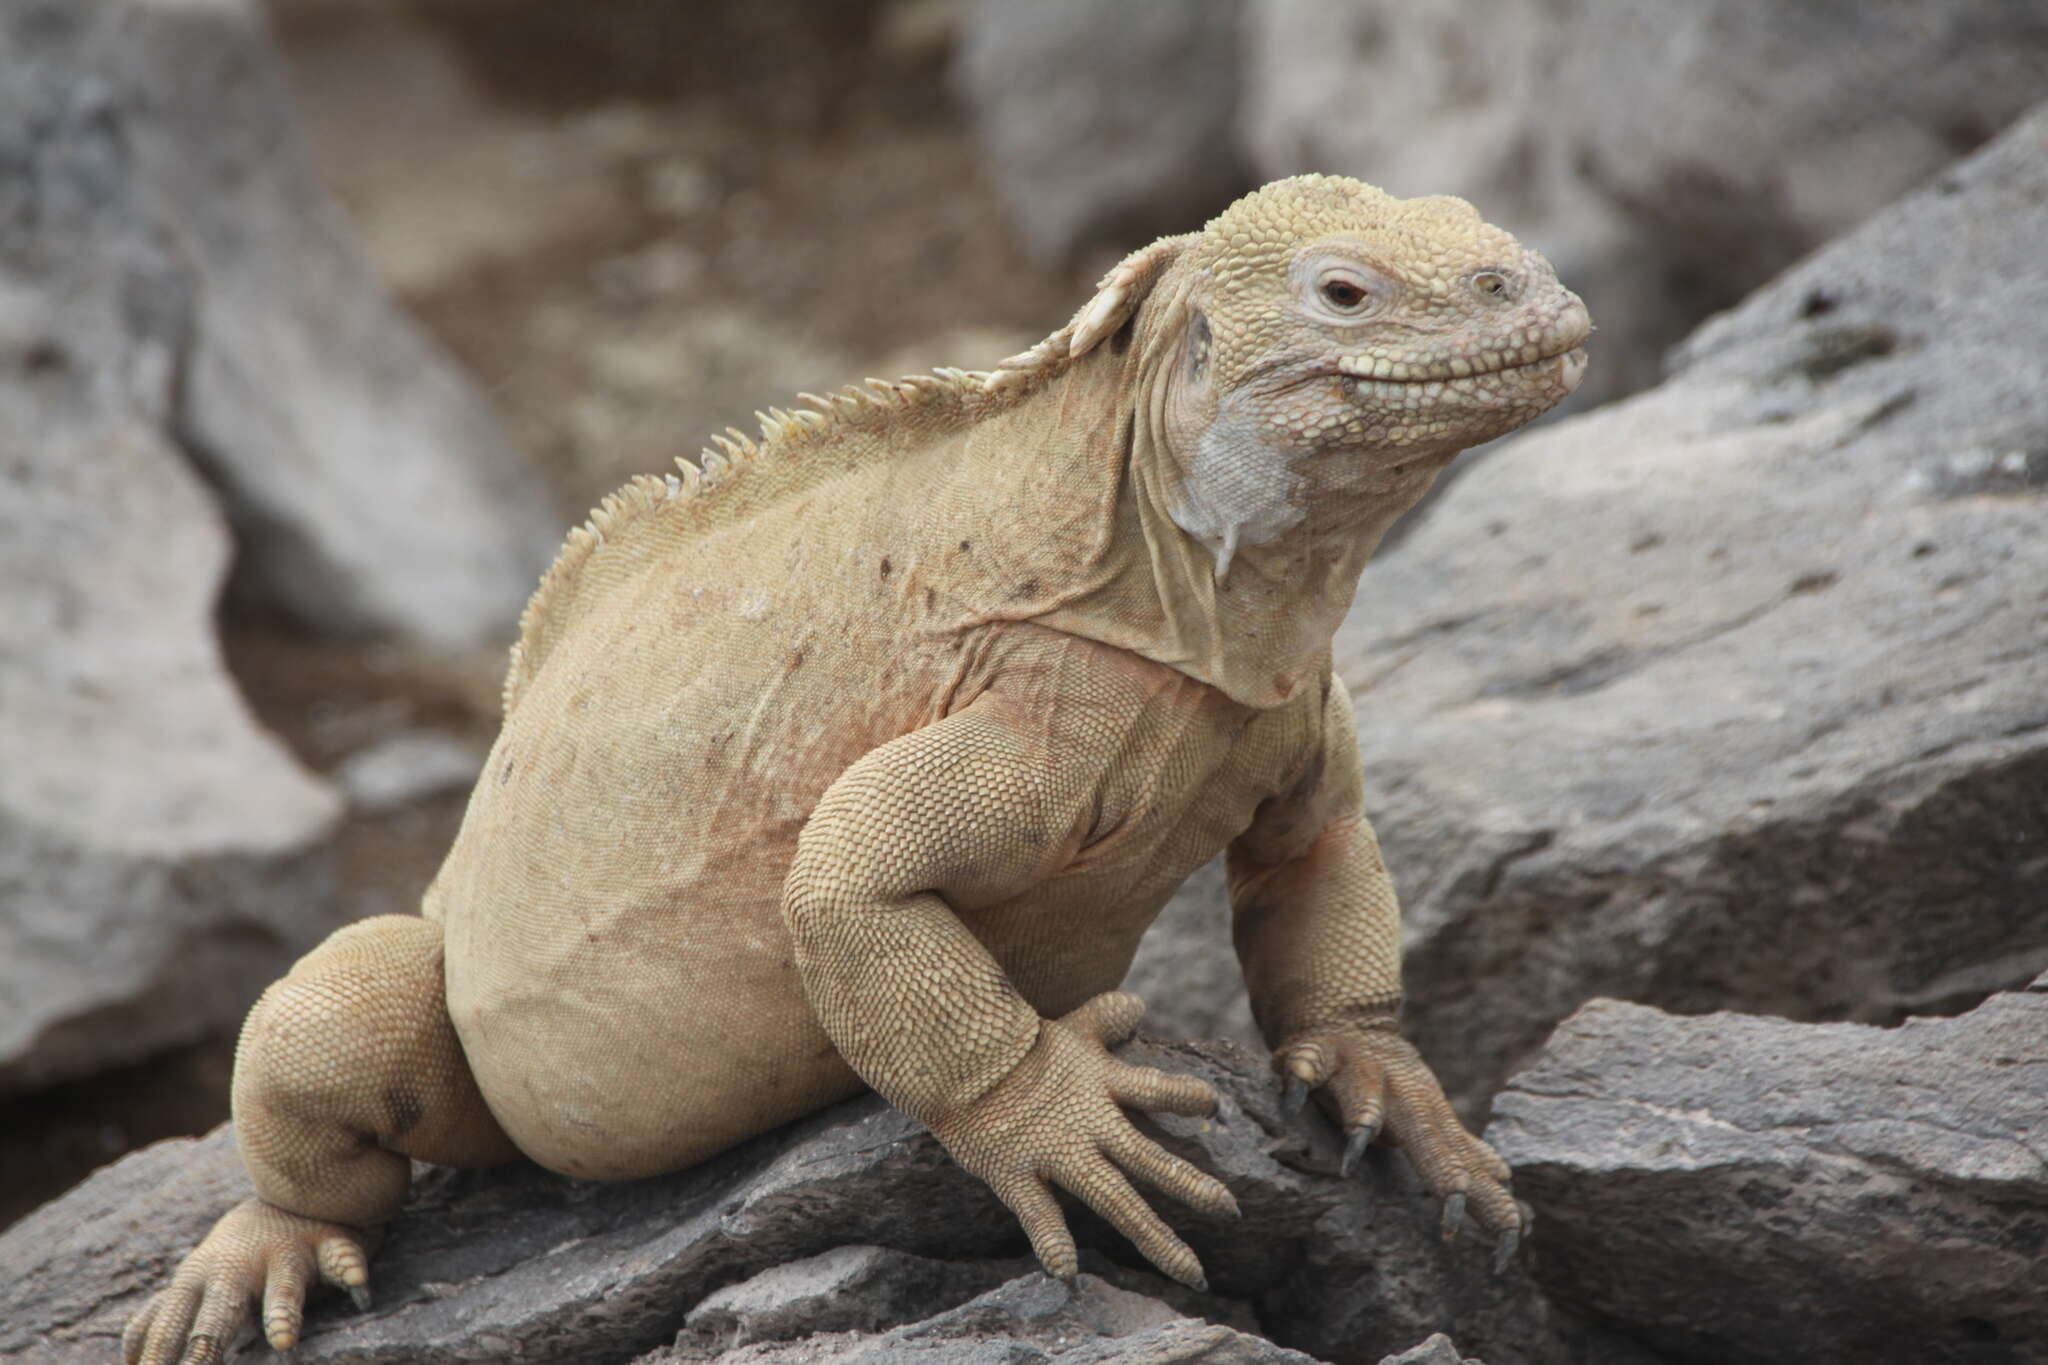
[[865, 755]]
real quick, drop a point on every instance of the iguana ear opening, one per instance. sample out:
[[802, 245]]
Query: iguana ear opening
[[1116, 299]]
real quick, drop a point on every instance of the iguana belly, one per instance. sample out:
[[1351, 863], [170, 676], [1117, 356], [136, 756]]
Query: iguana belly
[[618, 967]]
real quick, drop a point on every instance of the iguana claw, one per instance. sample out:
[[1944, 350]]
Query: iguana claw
[[1504, 1249], [1058, 1121], [1454, 1215], [1357, 1140], [1293, 1096], [361, 1294]]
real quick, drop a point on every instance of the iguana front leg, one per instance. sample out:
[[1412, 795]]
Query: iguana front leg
[[1319, 932], [973, 810]]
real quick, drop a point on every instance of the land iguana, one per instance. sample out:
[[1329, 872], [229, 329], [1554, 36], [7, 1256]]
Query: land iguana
[[864, 753]]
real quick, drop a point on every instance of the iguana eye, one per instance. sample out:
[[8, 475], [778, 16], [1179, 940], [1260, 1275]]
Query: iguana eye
[[1343, 293], [1339, 289], [1346, 291]]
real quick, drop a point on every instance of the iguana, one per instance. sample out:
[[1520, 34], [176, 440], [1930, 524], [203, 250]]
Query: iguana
[[864, 753]]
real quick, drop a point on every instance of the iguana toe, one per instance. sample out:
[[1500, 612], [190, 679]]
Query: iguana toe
[[1504, 1249], [256, 1249], [1057, 1120], [1378, 1082]]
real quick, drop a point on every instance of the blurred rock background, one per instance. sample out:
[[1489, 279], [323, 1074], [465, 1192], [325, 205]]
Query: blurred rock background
[[320, 319]]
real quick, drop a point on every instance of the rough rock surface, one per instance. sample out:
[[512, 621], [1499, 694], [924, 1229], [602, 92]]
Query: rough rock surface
[[159, 851], [1187, 971], [1625, 138], [846, 1289], [1031, 1318], [1438, 1350], [516, 1263], [1149, 90], [1733, 1188], [1729, 695], [369, 485]]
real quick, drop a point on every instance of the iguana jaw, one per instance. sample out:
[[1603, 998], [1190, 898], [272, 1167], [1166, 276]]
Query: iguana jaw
[[1527, 360], [1557, 372]]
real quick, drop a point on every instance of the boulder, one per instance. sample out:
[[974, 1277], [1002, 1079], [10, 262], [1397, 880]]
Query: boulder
[[1729, 1187], [1728, 696], [161, 855], [368, 483], [1150, 91], [516, 1263], [1668, 160]]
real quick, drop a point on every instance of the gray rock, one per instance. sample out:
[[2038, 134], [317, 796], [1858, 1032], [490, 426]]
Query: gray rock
[[846, 1289], [1187, 971], [1736, 1188], [516, 1263], [1031, 1318], [1729, 696], [1148, 89], [161, 855], [1627, 138], [399, 769], [369, 484], [1438, 1350]]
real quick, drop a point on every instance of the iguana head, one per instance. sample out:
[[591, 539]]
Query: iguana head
[[1348, 319], [1323, 347]]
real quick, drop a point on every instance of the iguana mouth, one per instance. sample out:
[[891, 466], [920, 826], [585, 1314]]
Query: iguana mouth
[[1562, 335], [1502, 361]]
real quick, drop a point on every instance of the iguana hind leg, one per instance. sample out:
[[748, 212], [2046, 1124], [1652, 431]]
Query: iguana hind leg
[[347, 1068]]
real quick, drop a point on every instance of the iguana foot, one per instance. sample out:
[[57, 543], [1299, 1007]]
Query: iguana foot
[[255, 1250], [1055, 1120], [1378, 1084]]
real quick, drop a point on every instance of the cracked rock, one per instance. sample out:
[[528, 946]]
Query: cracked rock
[[1032, 1318], [518, 1263], [849, 1288], [1729, 1187], [1438, 1350]]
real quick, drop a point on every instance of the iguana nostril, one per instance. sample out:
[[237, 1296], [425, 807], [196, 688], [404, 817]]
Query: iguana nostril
[[1494, 284]]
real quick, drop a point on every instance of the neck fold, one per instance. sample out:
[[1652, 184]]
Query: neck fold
[[1090, 545]]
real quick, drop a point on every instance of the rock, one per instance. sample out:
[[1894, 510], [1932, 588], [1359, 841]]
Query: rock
[[1726, 696], [1187, 971], [1031, 1318], [369, 485], [517, 1263], [1623, 137], [161, 855], [400, 769], [1729, 696], [1149, 90], [846, 1289], [1438, 1350], [1729, 1187]]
